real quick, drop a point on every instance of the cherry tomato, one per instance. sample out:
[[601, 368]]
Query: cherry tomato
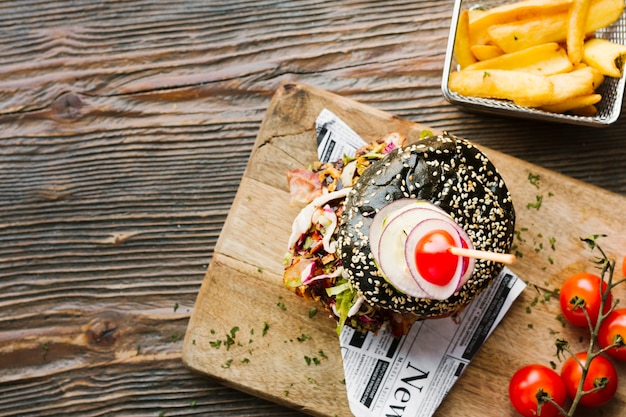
[[586, 287], [435, 264], [601, 369], [612, 326], [530, 380]]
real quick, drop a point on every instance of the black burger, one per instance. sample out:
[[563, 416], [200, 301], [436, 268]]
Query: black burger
[[368, 244]]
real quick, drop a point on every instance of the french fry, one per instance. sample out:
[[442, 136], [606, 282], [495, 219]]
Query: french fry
[[602, 13], [604, 56], [462, 52], [538, 53], [572, 84], [484, 52], [476, 13], [545, 59], [575, 36], [598, 77], [502, 84], [567, 86], [511, 37], [521, 10], [590, 110], [573, 103]]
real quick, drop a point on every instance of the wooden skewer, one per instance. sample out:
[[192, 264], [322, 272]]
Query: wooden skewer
[[504, 258]]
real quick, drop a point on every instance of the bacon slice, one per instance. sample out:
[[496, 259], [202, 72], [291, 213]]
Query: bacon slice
[[304, 185]]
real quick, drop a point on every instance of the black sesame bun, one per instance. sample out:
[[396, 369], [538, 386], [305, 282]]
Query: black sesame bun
[[447, 172]]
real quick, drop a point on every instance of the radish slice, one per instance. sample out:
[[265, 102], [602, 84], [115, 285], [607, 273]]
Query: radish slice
[[389, 253], [381, 218], [391, 210], [391, 259], [468, 263], [395, 233], [393, 240], [435, 270]]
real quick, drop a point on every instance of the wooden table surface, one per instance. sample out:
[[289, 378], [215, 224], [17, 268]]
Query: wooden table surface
[[125, 127]]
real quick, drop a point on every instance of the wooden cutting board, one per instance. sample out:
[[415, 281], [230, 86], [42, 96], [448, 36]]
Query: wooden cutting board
[[250, 333]]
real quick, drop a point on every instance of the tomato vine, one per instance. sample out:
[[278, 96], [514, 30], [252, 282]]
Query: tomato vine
[[584, 361]]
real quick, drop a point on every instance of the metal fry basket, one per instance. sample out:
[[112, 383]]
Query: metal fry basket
[[612, 89]]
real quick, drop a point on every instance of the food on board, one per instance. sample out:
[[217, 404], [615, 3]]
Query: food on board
[[612, 332], [533, 382], [380, 246], [580, 298], [600, 379]]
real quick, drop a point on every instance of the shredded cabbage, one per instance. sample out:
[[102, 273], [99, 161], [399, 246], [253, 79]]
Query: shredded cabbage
[[345, 298]]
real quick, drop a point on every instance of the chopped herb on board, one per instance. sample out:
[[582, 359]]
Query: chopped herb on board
[[229, 342], [280, 303], [312, 312], [552, 243], [303, 337], [534, 179], [266, 327], [315, 360], [234, 331], [551, 294], [537, 204]]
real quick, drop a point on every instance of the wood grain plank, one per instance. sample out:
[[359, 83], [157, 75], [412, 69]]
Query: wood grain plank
[[244, 280], [125, 130]]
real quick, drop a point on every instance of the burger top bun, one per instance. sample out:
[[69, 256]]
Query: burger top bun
[[450, 173]]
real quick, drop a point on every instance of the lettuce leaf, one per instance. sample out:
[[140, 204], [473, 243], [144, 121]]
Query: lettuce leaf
[[345, 297]]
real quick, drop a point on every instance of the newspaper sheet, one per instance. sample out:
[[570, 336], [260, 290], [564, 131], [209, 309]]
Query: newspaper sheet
[[409, 376]]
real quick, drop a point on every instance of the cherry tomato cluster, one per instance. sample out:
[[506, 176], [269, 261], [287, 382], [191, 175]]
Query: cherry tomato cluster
[[534, 389]]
